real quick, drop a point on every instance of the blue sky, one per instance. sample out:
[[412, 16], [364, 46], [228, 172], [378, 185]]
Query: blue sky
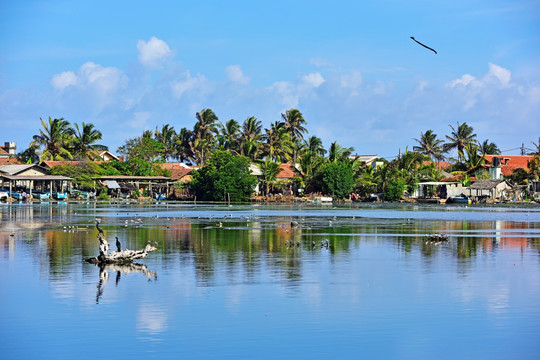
[[349, 66]]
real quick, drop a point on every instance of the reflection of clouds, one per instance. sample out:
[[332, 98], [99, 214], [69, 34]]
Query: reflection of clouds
[[151, 320], [499, 300], [234, 297]]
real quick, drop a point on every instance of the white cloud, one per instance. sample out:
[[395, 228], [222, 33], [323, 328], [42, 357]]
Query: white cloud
[[313, 80], [501, 74], [140, 119], [352, 80], [319, 62], [287, 92], [465, 80], [63, 80], [235, 75], [198, 84], [151, 53]]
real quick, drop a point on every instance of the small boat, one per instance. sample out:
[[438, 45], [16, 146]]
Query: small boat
[[3, 195], [460, 199], [160, 197], [40, 195], [59, 195]]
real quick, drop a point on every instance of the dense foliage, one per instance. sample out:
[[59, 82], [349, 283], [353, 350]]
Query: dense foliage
[[337, 179], [225, 177]]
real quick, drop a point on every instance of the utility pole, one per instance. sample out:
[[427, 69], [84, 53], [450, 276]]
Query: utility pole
[[522, 149]]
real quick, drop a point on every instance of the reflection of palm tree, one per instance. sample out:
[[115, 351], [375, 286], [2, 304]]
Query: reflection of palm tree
[[84, 142], [428, 144], [459, 138], [54, 137]]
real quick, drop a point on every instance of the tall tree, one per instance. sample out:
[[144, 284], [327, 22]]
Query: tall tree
[[251, 137], [84, 141], [182, 144], [489, 148], [459, 138], [428, 144], [270, 170], [315, 145], [277, 143], [166, 136], [205, 131], [294, 124], [338, 153], [55, 139], [229, 135]]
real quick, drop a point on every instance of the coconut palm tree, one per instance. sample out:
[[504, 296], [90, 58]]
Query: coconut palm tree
[[489, 148], [55, 138], [251, 135], [182, 144], [338, 153], [270, 170], [459, 138], [205, 131], [428, 144], [294, 122], [166, 137], [229, 135], [314, 144], [277, 142], [84, 141]]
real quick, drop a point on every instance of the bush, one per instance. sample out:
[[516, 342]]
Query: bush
[[394, 190], [337, 179], [225, 177]]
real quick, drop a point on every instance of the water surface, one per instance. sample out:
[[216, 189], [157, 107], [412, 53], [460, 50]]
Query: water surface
[[236, 282]]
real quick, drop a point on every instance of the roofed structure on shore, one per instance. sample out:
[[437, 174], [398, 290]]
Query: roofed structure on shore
[[179, 171], [490, 188], [509, 163]]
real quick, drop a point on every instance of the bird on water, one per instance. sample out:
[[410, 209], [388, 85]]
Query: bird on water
[[118, 247]]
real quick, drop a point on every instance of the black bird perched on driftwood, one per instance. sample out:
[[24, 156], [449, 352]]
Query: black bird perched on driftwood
[[99, 229], [427, 47], [118, 247]]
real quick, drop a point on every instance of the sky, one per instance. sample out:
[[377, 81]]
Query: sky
[[350, 67]]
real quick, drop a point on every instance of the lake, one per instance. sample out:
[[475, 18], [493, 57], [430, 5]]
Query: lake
[[243, 282]]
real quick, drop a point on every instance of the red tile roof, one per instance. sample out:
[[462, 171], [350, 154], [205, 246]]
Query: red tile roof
[[177, 171], [441, 165], [510, 163], [51, 163], [287, 172], [9, 161]]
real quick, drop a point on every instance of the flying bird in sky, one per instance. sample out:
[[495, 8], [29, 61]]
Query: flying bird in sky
[[427, 47]]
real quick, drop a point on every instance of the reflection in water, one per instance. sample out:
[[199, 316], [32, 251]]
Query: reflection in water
[[120, 269]]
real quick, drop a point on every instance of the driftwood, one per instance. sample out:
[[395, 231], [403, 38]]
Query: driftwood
[[119, 256]]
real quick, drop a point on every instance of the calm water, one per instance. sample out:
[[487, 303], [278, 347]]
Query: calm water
[[224, 283]]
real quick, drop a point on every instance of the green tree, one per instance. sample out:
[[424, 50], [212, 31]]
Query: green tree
[[229, 136], [270, 170], [338, 153], [166, 136], [29, 156], [337, 179], [489, 148], [205, 132], [277, 144], [144, 147], [55, 138], [459, 138], [429, 145], [293, 122], [394, 190], [225, 176], [84, 141]]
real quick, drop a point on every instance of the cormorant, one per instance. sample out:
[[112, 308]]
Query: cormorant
[[427, 47], [118, 247], [99, 229]]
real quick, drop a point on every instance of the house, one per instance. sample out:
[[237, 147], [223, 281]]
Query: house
[[105, 155], [490, 189], [8, 150], [505, 165], [179, 171], [437, 191], [30, 177]]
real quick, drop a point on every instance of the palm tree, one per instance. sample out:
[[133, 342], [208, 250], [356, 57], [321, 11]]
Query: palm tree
[[314, 144], [229, 135], [430, 145], [277, 143], [489, 148], [471, 158], [270, 170], [338, 153], [205, 131], [182, 144], [55, 138], [166, 137], [250, 137], [294, 122], [459, 138], [84, 142]]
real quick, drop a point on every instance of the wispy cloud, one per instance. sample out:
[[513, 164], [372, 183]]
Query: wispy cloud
[[153, 52]]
